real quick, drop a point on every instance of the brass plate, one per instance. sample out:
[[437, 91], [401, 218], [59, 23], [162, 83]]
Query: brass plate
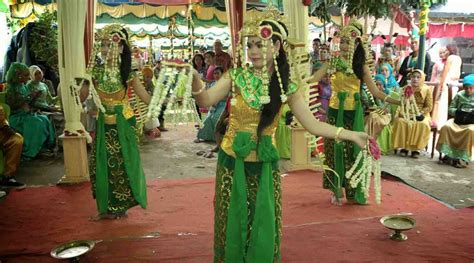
[[72, 249]]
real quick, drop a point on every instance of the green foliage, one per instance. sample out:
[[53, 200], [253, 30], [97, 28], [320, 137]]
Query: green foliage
[[13, 24], [360, 8], [44, 39]]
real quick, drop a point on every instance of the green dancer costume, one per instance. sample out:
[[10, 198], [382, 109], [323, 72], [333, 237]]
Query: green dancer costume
[[248, 190], [345, 110], [118, 181]]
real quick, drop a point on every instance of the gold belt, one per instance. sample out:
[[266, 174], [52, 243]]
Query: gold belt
[[111, 119]]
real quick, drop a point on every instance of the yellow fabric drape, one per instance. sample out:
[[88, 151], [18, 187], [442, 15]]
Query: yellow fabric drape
[[202, 13]]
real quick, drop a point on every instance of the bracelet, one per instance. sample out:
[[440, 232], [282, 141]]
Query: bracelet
[[195, 93], [338, 132]]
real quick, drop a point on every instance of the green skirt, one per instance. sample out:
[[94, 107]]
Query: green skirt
[[341, 156], [224, 180], [118, 181]]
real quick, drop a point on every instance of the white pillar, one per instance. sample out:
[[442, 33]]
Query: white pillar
[[297, 14], [72, 64]]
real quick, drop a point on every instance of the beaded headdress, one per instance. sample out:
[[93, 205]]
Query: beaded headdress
[[261, 24], [352, 32], [115, 34]]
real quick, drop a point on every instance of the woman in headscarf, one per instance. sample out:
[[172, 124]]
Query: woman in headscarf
[[411, 128], [456, 140], [36, 129], [390, 83]]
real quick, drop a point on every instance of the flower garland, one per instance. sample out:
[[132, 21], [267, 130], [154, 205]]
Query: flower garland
[[368, 165], [409, 109], [337, 64], [173, 89]]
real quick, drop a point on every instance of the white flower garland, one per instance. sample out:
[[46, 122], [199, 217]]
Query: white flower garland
[[175, 81], [368, 167], [409, 109]]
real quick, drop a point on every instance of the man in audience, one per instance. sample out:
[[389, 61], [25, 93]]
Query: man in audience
[[12, 146], [222, 59]]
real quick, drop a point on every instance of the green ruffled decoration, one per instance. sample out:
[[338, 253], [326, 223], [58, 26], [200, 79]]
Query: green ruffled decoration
[[262, 237], [253, 91]]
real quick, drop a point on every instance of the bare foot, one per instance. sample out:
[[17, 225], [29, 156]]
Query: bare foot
[[335, 200], [108, 216], [215, 149]]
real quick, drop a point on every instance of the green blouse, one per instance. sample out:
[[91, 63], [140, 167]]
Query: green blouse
[[251, 87], [461, 101], [43, 99]]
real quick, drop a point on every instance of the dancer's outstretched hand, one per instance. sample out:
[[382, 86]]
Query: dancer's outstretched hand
[[360, 138]]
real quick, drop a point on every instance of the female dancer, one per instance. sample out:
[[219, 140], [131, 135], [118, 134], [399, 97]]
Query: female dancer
[[247, 225]]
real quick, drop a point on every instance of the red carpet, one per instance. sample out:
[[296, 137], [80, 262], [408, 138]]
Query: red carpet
[[35, 220]]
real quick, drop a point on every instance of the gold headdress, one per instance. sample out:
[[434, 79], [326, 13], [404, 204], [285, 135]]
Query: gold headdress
[[114, 33], [352, 32], [262, 24], [254, 20]]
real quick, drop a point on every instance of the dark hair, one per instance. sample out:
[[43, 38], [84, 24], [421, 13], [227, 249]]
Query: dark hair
[[453, 50], [316, 40], [218, 68], [211, 53], [270, 110], [388, 44], [126, 60], [358, 60], [202, 58]]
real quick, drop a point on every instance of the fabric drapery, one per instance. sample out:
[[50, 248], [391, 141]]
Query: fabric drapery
[[71, 22]]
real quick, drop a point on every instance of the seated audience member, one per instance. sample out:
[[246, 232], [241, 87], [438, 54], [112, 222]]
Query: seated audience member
[[12, 146], [43, 101], [208, 131], [36, 129], [39, 91], [411, 128], [388, 57], [391, 84], [377, 122], [456, 138]]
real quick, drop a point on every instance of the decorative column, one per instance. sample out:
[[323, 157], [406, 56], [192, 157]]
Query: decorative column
[[425, 9], [235, 19], [297, 13], [72, 65]]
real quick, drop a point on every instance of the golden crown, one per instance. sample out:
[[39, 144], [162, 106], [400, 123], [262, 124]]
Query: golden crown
[[113, 32], [253, 20], [353, 30]]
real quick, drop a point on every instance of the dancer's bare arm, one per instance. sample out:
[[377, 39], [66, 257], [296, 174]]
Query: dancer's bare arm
[[301, 110], [207, 98]]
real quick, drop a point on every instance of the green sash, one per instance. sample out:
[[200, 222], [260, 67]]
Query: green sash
[[262, 237]]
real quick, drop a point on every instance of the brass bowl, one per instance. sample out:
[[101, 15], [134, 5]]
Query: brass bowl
[[398, 223], [72, 250]]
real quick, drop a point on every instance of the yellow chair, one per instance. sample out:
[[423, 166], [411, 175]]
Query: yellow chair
[[6, 109]]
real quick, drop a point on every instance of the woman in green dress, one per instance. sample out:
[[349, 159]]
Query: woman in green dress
[[36, 129], [247, 222], [348, 71], [118, 181]]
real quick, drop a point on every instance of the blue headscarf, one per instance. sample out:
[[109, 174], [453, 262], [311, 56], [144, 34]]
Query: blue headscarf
[[391, 83], [468, 80], [381, 78]]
